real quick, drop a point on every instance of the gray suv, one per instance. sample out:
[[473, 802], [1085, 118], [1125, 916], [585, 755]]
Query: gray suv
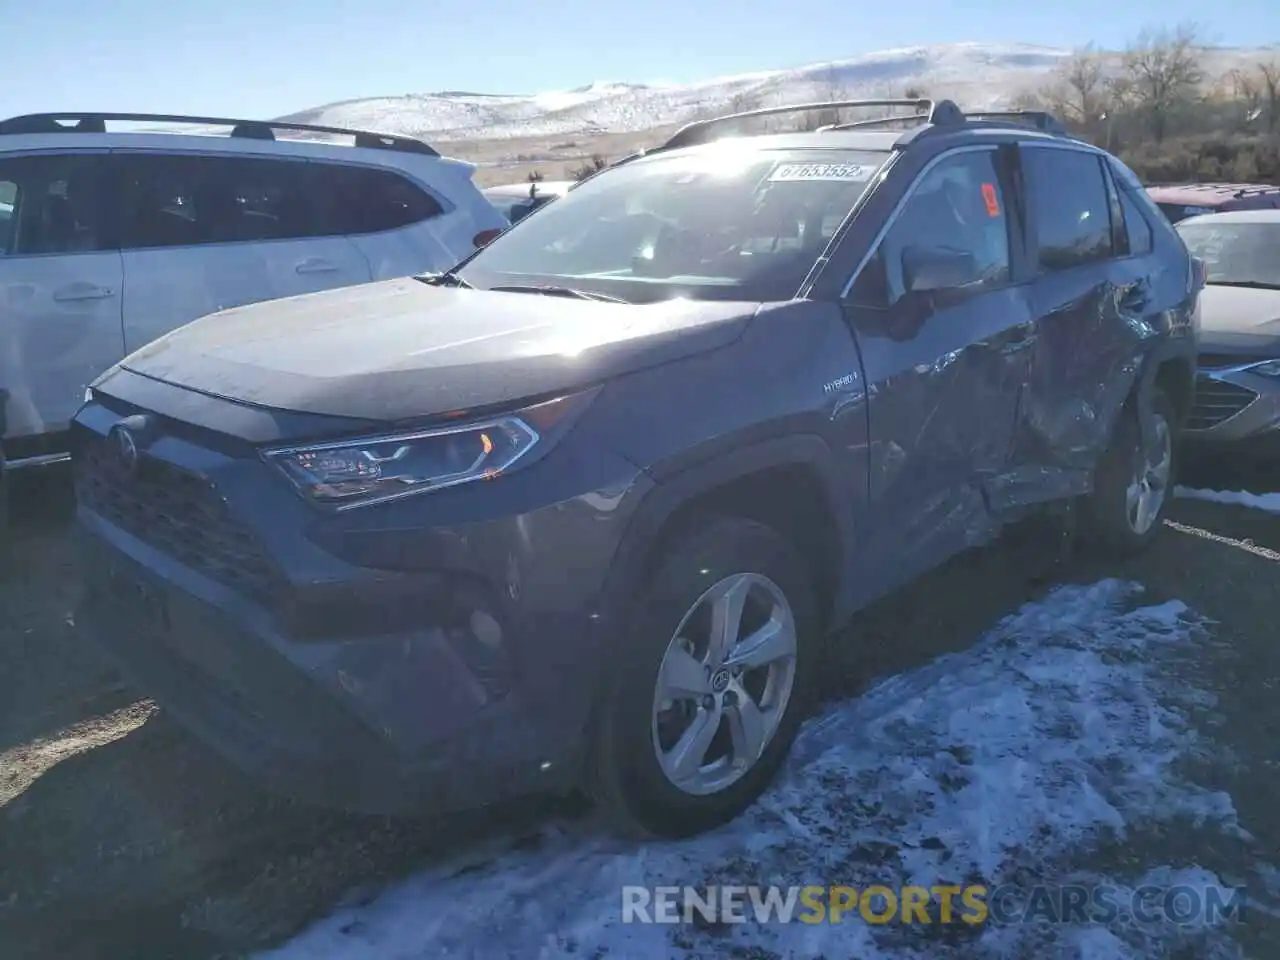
[[581, 511]]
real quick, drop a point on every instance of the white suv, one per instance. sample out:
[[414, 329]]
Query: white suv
[[111, 239]]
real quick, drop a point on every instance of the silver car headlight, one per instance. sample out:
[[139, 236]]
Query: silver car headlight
[[354, 473]]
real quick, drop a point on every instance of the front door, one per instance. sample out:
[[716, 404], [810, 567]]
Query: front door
[[207, 233], [943, 330], [60, 290]]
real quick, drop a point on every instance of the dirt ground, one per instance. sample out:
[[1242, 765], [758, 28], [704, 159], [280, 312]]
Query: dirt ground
[[121, 837]]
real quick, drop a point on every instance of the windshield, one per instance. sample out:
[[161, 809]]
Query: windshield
[[1245, 254], [726, 222]]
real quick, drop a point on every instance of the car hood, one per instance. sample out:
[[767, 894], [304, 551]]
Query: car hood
[[1239, 319], [401, 349]]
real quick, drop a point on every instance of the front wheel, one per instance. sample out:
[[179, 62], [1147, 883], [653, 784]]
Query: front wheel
[[713, 683], [1134, 480]]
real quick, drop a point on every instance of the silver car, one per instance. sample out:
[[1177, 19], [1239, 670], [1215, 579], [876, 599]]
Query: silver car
[[1238, 384]]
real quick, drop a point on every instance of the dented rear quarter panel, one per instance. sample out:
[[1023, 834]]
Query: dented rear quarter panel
[[1101, 330]]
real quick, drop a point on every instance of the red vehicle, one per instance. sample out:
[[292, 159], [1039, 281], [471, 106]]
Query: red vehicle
[[1179, 201]]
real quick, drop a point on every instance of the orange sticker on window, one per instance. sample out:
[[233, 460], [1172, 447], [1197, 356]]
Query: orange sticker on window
[[990, 199]]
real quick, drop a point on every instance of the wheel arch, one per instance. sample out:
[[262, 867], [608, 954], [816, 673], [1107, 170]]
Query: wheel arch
[[1171, 368], [789, 484]]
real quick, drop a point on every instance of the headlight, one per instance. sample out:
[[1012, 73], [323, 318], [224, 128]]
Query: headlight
[[1270, 368], [355, 473]]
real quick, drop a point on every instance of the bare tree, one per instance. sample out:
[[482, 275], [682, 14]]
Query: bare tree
[[1077, 93], [1027, 100], [1118, 100], [1165, 70], [1269, 81], [1244, 90]]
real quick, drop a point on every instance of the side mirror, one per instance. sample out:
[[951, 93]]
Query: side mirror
[[936, 268]]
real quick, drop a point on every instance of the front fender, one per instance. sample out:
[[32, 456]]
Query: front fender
[[675, 488]]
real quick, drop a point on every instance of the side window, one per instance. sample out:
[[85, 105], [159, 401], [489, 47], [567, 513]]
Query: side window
[[51, 205], [952, 235], [8, 204], [175, 201], [1068, 197], [368, 200], [1137, 229]]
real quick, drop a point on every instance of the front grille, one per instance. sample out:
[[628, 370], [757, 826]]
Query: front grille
[[1216, 402], [177, 513]]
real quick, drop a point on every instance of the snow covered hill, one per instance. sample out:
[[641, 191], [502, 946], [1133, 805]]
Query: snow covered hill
[[977, 75], [981, 75]]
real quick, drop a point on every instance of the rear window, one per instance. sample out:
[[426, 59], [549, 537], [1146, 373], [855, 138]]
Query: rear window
[[359, 200], [1236, 254], [725, 222]]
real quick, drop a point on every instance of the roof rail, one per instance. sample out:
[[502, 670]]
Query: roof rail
[[1252, 190], [1037, 119], [704, 131], [915, 119], [78, 122]]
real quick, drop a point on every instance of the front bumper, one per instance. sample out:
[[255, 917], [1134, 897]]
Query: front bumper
[[1234, 406], [464, 678], [308, 725]]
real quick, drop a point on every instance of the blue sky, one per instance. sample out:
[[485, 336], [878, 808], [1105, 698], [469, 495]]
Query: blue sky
[[268, 57]]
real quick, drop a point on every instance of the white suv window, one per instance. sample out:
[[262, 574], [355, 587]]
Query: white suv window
[[176, 201], [368, 200], [51, 204]]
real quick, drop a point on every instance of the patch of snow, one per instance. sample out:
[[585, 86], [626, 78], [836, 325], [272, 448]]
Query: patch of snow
[[980, 76], [1059, 730], [1270, 502]]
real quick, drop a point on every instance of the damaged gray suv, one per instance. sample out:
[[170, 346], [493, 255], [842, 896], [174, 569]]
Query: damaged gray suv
[[582, 511]]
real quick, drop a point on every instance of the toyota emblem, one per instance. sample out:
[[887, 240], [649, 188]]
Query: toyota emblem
[[126, 448]]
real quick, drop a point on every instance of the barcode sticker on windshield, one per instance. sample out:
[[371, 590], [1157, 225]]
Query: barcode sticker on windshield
[[790, 172]]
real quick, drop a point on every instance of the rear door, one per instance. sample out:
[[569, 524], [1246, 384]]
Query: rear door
[[942, 324], [203, 233], [60, 280], [1088, 307], [392, 220]]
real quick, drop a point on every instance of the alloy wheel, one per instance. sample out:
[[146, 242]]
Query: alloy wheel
[[724, 684], [1149, 487]]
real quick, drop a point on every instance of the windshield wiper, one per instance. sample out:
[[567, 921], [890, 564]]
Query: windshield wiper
[[551, 290], [446, 279]]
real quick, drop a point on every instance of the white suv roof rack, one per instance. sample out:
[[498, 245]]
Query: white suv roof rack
[[79, 122]]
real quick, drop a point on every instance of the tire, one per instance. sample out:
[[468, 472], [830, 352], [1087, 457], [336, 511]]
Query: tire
[[1111, 523], [716, 558]]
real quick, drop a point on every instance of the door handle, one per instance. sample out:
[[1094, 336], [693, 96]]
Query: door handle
[[82, 291], [316, 265]]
